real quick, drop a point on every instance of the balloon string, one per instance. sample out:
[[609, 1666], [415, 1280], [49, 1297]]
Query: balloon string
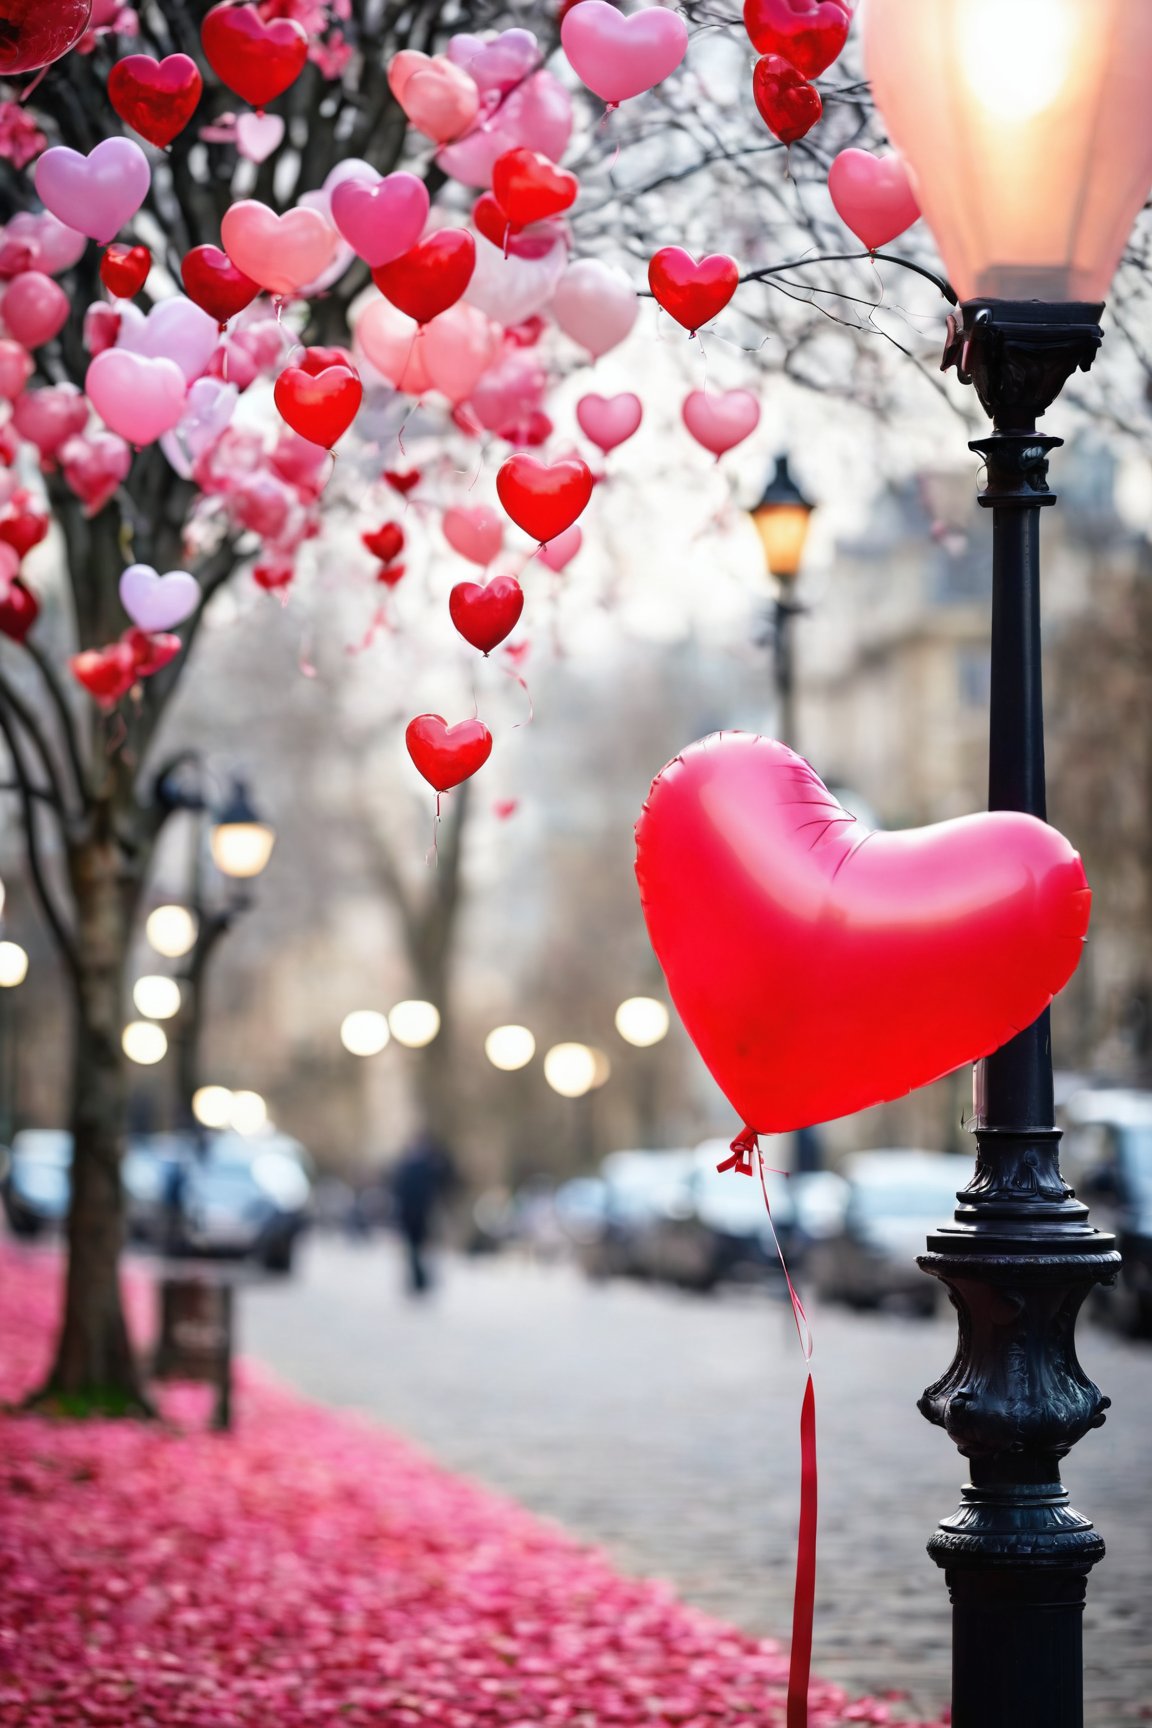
[[510, 672], [804, 1598], [803, 1330]]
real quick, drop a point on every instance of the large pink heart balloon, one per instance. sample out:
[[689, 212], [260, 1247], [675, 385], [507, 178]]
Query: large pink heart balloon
[[609, 420], [537, 116], [722, 421], [476, 531], [821, 968], [155, 602], [459, 346], [619, 55], [257, 135], [510, 391], [500, 63], [94, 466], [283, 253], [98, 193], [136, 396], [55, 247], [380, 220], [873, 195], [175, 329], [439, 98], [391, 343], [594, 303], [48, 417], [34, 308], [512, 289]]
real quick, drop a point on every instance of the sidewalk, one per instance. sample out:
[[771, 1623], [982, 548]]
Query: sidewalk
[[311, 1569]]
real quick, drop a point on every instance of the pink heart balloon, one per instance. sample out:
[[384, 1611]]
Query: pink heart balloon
[[873, 196], [511, 289], [98, 193], [619, 56], [94, 466], [560, 551], [155, 602], [390, 343], [594, 303], [34, 309], [498, 64], [101, 327], [55, 247], [537, 116], [381, 220], [176, 329], [134, 395], [459, 346], [439, 98], [721, 422], [509, 392], [609, 420], [15, 369], [257, 135], [208, 410], [476, 531], [48, 417], [282, 253]]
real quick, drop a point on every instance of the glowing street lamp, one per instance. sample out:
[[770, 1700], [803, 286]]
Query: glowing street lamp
[[571, 1069], [510, 1047], [414, 1023], [249, 1112], [212, 1106], [364, 1032], [156, 997], [13, 965], [642, 1021], [241, 842], [144, 1043], [171, 931], [782, 519]]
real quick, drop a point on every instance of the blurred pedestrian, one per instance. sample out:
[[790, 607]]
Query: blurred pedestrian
[[421, 1179]]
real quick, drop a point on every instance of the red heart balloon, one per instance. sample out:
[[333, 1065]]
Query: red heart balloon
[[157, 98], [320, 406], [692, 292], [390, 574], [214, 283], [529, 187], [386, 542], [444, 754], [256, 59], [19, 609], [274, 573], [821, 968], [535, 241], [789, 106], [106, 673], [316, 360], [20, 527], [34, 33], [486, 612], [151, 653], [124, 270], [543, 498], [402, 483], [432, 276], [809, 33]]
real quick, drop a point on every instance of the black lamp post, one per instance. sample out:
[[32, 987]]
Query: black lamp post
[[983, 97], [782, 519]]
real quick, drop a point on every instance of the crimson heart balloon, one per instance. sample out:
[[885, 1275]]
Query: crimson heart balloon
[[386, 542], [157, 98], [34, 33], [19, 609], [317, 359], [447, 755], [821, 968], [543, 498], [257, 60], [789, 106], [529, 187], [124, 270], [486, 612], [809, 33], [535, 241], [391, 574], [693, 293], [20, 527], [106, 673], [401, 482], [320, 406], [151, 652], [432, 276], [214, 283]]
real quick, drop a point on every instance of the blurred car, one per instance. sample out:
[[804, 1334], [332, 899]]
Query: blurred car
[[637, 1187], [892, 1201], [710, 1227], [37, 1180], [1106, 1156]]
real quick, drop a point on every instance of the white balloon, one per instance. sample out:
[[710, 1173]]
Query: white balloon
[[595, 304], [512, 289]]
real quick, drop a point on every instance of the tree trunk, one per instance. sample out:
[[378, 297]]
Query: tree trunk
[[95, 1368]]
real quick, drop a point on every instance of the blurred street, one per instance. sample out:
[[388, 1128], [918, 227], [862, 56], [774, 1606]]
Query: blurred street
[[664, 1426]]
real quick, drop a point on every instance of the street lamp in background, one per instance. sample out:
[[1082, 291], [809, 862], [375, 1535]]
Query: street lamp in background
[[240, 842], [510, 1048], [782, 519], [1028, 131], [13, 971]]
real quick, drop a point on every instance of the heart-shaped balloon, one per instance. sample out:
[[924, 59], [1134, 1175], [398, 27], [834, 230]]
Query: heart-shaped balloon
[[124, 270], [594, 303], [257, 135], [515, 288], [284, 254], [535, 116], [106, 673], [215, 284], [37, 32], [19, 607], [490, 219], [530, 188], [320, 406], [789, 106], [459, 346], [821, 968], [94, 466], [486, 612], [446, 755], [431, 276], [155, 602], [722, 421], [150, 652], [54, 246], [157, 98], [809, 33], [386, 542], [34, 309], [873, 195], [134, 395], [175, 329], [94, 194], [391, 343], [402, 480], [510, 393], [475, 531], [16, 367], [501, 63], [439, 98], [544, 498], [101, 327], [559, 553], [692, 292], [609, 420], [382, 219], [48, 417], [20, 526], [620, 55], [257, 59]]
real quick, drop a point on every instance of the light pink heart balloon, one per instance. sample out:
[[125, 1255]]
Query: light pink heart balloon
[[873, 196], [459, 347], [618, 55], [34, 308], [98, 193], [56, 247], [257, 135], [155, 602], [380, 221], [175, 329], [560, 551], [94, 466], [390, 342], [537, 116], [208, 410], [510, 391], [439, 98], [283, 253], [476, 531], [512, 289], [498, 64], [722, 421], [594, 303], [136, 396], [609, 420], [48, 417]]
